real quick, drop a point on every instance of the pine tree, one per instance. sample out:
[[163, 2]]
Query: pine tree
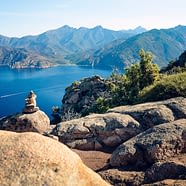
[[149, 72]]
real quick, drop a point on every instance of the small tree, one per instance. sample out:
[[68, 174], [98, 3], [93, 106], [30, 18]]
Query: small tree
[[149, 72], [140, 75], [133, 85]]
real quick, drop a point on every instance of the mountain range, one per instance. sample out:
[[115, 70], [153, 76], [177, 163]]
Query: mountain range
[[165, 44], [97, 47], [57, 44]]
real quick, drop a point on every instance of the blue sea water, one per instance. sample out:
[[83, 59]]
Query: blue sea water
[[49, 85]]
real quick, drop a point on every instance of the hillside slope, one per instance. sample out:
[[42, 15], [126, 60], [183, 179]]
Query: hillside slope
[[57, 44], [165, 44], [22, 58]]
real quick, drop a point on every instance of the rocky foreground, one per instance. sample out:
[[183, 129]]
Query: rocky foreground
[[143, 144], [146, 142], [31, 159]]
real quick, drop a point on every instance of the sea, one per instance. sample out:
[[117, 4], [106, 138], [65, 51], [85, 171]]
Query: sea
[[48, 84]]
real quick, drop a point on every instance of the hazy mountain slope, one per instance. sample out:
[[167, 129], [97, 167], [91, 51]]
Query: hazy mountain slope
[[176, 65], [57, 44], [165, 44], [21, 58]]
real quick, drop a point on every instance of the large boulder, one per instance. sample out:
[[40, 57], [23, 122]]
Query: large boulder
[[32, 122], [32, 159], [155, 113], [97, 131], [157, 143]]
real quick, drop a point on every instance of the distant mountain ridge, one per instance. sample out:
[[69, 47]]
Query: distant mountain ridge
[[165, 44], [59, 43], [21, 58], [99, 47]]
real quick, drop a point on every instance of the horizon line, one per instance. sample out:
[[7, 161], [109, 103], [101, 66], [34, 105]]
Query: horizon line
[[87, 27]]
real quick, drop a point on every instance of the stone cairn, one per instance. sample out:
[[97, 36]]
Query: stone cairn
[[30, 103]]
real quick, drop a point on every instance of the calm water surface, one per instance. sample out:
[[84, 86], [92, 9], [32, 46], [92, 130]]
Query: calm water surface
[[49, 85]]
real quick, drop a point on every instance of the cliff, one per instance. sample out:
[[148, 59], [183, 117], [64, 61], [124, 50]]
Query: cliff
[[80, 97]]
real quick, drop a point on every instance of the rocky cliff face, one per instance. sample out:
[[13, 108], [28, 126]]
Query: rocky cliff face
[[81, 96]]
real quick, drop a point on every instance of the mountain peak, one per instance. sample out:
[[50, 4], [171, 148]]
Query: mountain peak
[[66, 26], [137, 30], [140, 29], [97, 27]]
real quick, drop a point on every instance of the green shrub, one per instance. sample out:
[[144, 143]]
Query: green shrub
[[168, 87]]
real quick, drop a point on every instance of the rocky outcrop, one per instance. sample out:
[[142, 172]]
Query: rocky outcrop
[[155, 113], [173, 168], [97, 131], [32, 122], [80, 96], [143, 140], [155, 144], [32, 159]]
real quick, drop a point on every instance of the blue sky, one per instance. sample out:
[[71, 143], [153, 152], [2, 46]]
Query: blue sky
[[30, 17]]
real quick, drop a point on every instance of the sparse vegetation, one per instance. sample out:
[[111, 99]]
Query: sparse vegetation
[[169, 86], [125, 88]]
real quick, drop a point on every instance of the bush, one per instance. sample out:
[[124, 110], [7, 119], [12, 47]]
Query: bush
[[170, 86]]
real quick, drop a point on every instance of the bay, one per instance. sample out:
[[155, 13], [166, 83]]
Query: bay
[[49, 85]]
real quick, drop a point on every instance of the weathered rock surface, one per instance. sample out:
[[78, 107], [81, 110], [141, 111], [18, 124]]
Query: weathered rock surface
[[157, 143], [155, 113], [150, 136], [32, 159], [32, 122], [164, 170], [168, 182], [97, 131], [173, 168], [159, 171], [121, 178], [81, 95]]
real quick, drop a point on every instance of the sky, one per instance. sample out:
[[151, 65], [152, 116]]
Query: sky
[[31, 17]]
